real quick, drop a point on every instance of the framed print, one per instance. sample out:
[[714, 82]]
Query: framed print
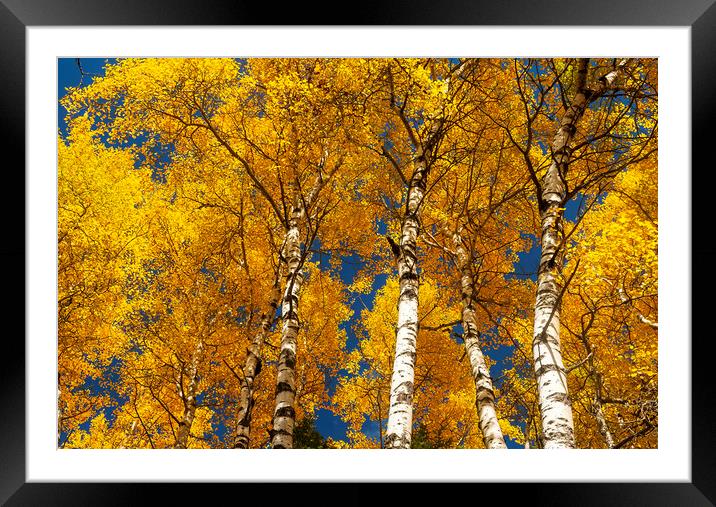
[[52, 52]]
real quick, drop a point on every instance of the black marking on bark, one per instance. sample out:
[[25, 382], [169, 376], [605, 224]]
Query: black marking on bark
[[540, 337], [404, 398], [549, 290], [245, 420], [394, 247], [406, 392], [274, 432], [408, 295], [407, 353], [289, 359], [409, 275], [390, 440], [291, 315], [547, 367], [395, 441], [292, 324], [560, 398], [484, 394], [285, 412], [283, 387], [409, 251]]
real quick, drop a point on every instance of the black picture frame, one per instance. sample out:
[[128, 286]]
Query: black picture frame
[[700, 15]]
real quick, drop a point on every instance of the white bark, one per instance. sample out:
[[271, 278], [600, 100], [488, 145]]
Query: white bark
[[484, 392], [400, 412], [284, 411], [597, 409], [602, 422], [555, 405], [189, 398], [252, 367]]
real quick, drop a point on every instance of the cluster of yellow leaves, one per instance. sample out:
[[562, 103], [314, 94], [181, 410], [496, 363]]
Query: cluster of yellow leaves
[[606, 307], [101, 227]]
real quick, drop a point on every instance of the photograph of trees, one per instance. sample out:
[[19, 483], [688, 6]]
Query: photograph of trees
[[357, 253]]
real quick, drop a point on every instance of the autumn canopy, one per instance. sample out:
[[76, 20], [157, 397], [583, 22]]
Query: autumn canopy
[[445, 253]]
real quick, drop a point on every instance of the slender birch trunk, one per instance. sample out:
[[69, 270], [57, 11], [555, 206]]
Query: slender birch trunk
[[182, 437], [252, 367], [284, 411], [485, 394], [597, 409], [555, 405], [602, 422], [400, 412]]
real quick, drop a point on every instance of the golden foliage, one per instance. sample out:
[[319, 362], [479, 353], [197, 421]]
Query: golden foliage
[[176, 183]]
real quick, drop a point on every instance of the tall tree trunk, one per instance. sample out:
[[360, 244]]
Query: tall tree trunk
[[602, 422], [284, 411], [555, 405], [597, 409], [485, 395], [400, 412], [252, 367], [182, 437]]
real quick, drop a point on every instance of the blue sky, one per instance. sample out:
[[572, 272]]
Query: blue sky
[[69, 75]]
